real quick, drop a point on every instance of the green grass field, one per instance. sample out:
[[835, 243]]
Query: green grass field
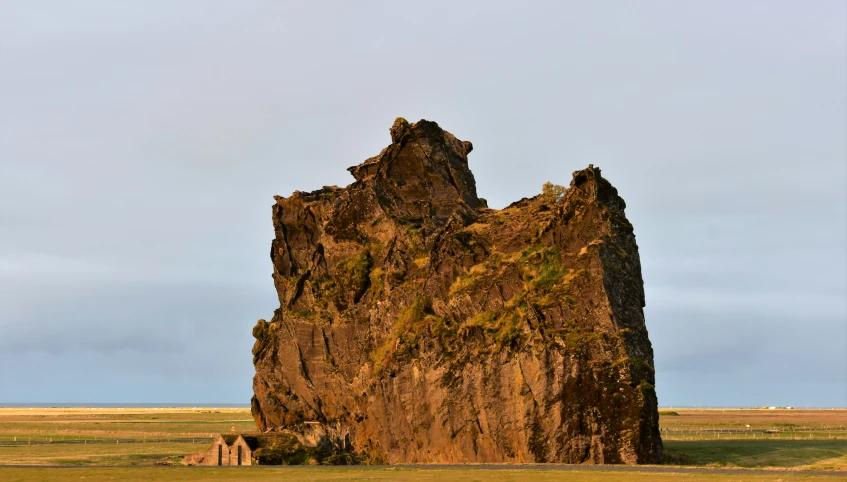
[[788, 454], [130, 442], [381, 474], [119, 437], [787, 439]]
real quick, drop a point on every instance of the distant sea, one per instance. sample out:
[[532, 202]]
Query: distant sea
[[123, 405]]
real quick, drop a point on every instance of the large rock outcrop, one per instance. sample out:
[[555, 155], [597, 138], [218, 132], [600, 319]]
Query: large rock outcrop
[[418, 325]]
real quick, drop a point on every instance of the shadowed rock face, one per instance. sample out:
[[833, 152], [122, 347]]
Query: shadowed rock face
[[417, 325]]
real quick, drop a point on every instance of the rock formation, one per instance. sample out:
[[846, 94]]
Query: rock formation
[[416, 325]]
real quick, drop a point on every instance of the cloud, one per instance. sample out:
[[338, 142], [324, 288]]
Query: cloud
[[113, 317], [141, 144]]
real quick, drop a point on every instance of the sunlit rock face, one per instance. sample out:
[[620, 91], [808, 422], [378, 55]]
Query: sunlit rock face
[[416, 325]]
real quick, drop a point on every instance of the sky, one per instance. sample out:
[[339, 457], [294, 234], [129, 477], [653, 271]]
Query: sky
[[142, 142]]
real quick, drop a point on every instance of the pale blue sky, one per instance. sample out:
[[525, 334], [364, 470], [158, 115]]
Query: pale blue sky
[[141, 144]]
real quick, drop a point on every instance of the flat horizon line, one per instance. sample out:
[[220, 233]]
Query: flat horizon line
[[247, 405], [121, 405]]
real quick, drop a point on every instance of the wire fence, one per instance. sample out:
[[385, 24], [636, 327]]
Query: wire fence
[[776, 428], [822, 432], [75, 433], [28, 441]]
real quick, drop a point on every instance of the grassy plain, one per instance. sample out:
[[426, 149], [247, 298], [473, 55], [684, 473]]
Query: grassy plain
[[114, 436], [131, 441], [384, 474], [790, 439]]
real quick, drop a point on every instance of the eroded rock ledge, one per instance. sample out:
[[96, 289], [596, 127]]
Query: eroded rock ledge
[[417, 325]]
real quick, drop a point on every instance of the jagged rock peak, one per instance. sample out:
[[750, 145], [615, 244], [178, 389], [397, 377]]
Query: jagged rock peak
[[423, 175]]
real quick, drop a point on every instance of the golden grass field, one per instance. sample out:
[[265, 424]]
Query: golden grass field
[[123, 444], [386, 474]]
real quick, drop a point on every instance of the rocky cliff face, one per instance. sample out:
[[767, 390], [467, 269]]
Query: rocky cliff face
[[417, 325]]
